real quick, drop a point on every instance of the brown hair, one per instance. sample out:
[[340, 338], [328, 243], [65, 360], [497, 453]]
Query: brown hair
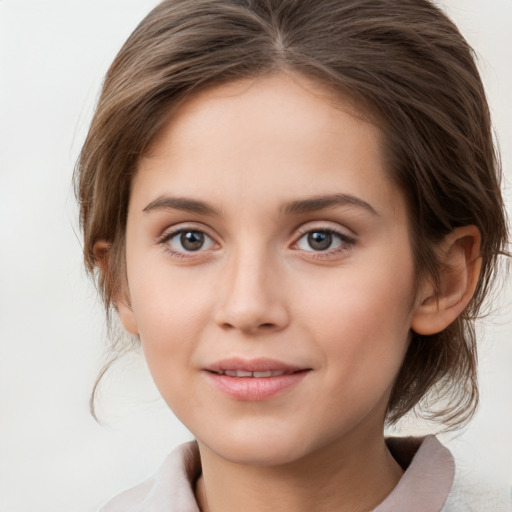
[[403, 58]]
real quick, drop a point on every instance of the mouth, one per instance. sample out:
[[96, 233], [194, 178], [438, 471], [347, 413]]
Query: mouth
[[242, 374], [260, 368], [254, 380]]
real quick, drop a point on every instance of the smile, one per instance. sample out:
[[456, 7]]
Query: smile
[[254, 380], [256, 375]]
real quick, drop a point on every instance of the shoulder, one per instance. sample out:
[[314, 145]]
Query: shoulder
[[171, 489]]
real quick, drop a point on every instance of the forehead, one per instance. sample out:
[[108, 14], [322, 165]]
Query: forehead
[[282, 135]]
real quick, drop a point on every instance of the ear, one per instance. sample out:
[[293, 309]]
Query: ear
[[121, 296], [459, 255]]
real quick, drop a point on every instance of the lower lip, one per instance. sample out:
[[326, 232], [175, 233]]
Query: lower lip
[[252, 389]]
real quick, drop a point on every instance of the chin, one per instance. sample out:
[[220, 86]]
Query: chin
[[260, 454], [257, 447]]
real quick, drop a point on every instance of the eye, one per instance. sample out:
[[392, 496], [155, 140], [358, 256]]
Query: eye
[[323, 240], [187, 240]]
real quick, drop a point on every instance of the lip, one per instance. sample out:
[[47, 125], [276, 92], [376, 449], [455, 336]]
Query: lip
[[254, 388]]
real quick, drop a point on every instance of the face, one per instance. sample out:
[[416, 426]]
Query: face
[[270, 273]]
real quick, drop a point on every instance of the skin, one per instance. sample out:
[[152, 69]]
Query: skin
[[257, 288]]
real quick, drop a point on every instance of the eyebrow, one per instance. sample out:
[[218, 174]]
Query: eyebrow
[[307, 205], [181, 203], [315, 203]]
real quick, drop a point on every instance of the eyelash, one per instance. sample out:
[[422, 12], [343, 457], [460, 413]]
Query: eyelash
[[167, 237], [345, 242]]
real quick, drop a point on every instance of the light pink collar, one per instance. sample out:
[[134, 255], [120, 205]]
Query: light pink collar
[[424, 487], [428, 477]]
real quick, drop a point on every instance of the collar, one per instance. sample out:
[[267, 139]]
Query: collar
[[424, 486], [428, 477]]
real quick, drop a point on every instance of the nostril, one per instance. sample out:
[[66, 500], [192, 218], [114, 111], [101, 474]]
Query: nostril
[[267, 326], [251, 316]]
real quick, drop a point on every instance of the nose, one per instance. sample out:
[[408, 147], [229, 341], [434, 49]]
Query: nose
[[252, 296]]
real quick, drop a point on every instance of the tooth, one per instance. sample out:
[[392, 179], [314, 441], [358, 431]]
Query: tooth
[[262, 374], [257, 375]]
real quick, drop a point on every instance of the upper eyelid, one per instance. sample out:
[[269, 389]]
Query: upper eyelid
[[331, 227], [347, 239], [170, 231]]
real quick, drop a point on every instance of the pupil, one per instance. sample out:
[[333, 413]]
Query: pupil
[[192, 240], [320, 240]]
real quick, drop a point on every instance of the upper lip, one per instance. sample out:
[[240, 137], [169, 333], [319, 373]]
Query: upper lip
[[253, 365]]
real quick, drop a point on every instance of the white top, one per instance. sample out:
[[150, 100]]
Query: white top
[[427, 484]]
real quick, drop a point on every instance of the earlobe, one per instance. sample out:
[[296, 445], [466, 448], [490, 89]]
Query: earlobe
[[121, 298], [101, 251], [458, 277], [127, 317]]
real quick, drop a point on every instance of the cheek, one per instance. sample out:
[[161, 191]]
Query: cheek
[[169, 330], [362, 321], [171, 313], [166, 299], [169, 325], [361, 299]]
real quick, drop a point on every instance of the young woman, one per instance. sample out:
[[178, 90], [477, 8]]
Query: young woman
[[295, 206]]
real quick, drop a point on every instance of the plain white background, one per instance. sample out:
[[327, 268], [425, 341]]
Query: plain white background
[[53, 456]]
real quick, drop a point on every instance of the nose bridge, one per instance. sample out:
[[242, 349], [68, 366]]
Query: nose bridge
[[251, 298]]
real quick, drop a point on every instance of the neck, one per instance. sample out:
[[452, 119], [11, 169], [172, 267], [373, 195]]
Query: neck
[[348, 477]]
